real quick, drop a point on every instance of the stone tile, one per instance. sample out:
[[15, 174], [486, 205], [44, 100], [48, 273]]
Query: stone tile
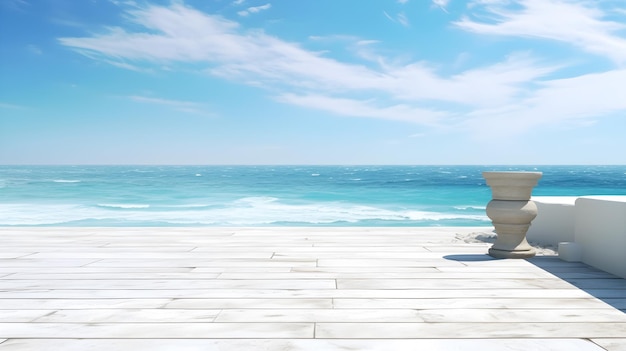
[[102, 283], [156, 330], [380, 254], [76, 304], [299, 345], [349, 262], [113, 254], [615, 344], [495, 269], [585, 275], [129, 316], [472, 303], [25, 262], [319, 315], [375, 276], [370, 269], [249, 303], [244, 269], [468, 330], [607, 293], [34, 248], [75, 270], [201, 263], [615, 283], [451, 284], [619, 303], [16, 253], [475, 249], [113, 276], [294, 293], [22, 316], [142, 284], [522, 315]]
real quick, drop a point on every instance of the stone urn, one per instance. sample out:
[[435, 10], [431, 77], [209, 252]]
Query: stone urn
[[511, 212]]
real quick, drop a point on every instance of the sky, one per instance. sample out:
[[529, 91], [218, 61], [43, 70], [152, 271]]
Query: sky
[[313, 82]]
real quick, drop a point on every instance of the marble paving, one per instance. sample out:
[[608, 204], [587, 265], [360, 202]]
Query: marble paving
[[299, 289]]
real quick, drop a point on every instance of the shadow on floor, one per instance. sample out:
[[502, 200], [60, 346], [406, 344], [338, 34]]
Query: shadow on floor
[[602, 285], [469, 257]]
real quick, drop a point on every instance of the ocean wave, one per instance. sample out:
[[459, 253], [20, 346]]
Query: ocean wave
[[255, 200], [125, 206], [65, 181], [189, 206], [249, 211], [470, 207]]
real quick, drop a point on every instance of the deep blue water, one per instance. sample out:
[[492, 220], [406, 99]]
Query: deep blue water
[[272, 195]]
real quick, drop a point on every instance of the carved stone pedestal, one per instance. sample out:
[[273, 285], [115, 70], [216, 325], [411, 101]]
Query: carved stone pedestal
[[511, 212]]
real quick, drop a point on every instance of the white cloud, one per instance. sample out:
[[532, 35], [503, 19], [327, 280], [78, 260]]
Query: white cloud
[[361, 108], [575, 22], [254, 9], [442, 4], [514, 95], [578, 100], [179, 105]]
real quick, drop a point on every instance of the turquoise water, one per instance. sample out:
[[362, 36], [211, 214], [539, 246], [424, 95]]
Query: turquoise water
[[272, 195]]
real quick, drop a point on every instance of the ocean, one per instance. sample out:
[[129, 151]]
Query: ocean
[[272, 195]]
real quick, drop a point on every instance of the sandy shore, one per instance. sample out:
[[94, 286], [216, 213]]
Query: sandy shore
[[489, 236]]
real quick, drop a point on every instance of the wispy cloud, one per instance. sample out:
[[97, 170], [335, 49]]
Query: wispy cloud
[[34, 49], [399, 18], [515, 94], [16, 5], [577, 100], [178, 105], [254, 9], [442, 4], [403, 19], [578, 23], [11, 106], [365, 108]]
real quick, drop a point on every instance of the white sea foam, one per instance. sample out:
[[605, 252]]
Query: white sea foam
[[241, 212], [65, 181], [126, 206], [463, 208], [189, 206]]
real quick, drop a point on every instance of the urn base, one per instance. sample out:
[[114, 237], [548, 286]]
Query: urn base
[[511, 254]]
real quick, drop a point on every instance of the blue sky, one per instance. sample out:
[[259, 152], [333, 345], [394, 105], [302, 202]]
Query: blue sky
[[312, 82]]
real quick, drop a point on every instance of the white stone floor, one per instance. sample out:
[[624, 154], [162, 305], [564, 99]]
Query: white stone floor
[[298, 289]]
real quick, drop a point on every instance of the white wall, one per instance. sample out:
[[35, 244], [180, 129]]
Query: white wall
[[600, 229], [555, 220]]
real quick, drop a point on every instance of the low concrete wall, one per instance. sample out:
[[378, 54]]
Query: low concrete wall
[[555, 220], [600, 229]]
